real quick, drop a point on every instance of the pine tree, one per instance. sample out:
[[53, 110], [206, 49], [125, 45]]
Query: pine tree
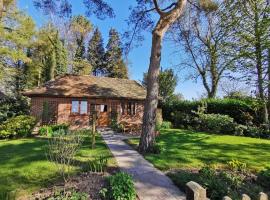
[[115, 65], [96, 53], [50, 66]]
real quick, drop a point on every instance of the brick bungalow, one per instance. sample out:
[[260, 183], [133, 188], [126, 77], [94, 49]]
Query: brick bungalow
[[71, 99]]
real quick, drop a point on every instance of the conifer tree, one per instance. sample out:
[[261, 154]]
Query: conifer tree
[[115, 65], [96, 53]]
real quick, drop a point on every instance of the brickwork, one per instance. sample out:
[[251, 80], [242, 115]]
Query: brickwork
[[64, 114]]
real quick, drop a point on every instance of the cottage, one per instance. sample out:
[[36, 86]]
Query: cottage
[[71, 99]]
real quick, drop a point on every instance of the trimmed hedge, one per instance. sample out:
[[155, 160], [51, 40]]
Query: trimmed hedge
[[20, 126], [242, 111]]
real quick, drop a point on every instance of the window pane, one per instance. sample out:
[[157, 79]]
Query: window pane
[[83, 108], [75, 107], [103, 108]]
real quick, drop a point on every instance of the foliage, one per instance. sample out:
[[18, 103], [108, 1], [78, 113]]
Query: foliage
[[219, 183], [69, 195], [13, 106], [264, 177], [164, 125], [117, 126], [96, 53], [216, 123], [167, 83], [242, 111], [99, 164], [116, 67], [19, 126], [62, 149], [49, 130], [120, 186], [236, 165]]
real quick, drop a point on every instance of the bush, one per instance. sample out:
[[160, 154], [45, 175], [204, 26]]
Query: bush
[[20, 126], [217, 123], [49, 130], [219, 183], [164, 125], [264, 178], [116, 126], [12, 107], [121, 187]]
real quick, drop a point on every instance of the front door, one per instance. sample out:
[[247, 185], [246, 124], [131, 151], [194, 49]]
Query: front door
[[103, 115]]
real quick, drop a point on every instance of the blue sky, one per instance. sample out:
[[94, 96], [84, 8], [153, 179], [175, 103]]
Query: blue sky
[[139, 57]]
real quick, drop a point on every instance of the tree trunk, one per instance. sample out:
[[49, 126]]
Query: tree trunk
[[149, 118], [150, 107]]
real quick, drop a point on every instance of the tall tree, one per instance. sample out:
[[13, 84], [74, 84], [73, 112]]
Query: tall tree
[[158, 17], [142, 19], [250, 42], [167, 84], [80, 30], [96, 54], [202, 34], [116, 67]]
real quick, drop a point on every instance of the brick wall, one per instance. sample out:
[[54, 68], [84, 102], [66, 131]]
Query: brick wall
[[64, 114]]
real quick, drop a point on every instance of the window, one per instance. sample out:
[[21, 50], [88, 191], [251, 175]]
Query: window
[[103, 108], [131, 108], [83, 107], [75, 107], [123, 108], [79, 107]]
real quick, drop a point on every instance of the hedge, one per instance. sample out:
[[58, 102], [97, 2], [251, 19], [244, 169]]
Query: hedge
[[242, 111]]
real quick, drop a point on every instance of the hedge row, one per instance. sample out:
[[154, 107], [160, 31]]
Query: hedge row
[[242, 111]]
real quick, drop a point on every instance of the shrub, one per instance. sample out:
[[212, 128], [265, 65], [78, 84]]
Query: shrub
[[50, 130], [13, 106], [19, 126], [116, 126], [121, 187], [236, 165], [164, 125], [216, 123], [264, 178], [45, 130]]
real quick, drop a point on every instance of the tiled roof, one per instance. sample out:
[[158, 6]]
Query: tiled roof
[[90, 86]]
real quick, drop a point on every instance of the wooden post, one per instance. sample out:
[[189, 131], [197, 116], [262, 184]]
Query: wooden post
[[94, 118], [245, 197], [195, 192], [226, 198], [263, 196]]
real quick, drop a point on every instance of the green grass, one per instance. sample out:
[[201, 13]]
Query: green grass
[[25, 168], [184, 149]]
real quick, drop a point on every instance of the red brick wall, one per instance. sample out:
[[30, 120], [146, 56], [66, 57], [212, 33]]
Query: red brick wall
[[64, 114]]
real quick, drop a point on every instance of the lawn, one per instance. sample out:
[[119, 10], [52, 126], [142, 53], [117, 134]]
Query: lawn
[[182, 149], [25, 168]]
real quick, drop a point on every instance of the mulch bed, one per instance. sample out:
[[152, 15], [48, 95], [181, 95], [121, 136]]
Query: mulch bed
[[90, 183]]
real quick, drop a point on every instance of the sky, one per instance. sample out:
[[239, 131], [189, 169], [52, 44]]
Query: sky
[[139, 57]]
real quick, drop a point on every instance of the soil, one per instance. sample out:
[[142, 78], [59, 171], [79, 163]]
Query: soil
[[90, 183]]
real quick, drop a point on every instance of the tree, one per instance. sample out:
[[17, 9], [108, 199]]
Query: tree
[[81, 27], [80, 30], [202, 35], [115, 65], [158, 17], [63, 8], [96, 53], [167, 83], [142, 19], [251, 42]]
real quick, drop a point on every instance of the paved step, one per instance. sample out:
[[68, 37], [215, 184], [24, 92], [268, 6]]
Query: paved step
[[150, 183]]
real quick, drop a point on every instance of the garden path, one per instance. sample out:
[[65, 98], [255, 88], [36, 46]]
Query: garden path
[[150, 183]]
